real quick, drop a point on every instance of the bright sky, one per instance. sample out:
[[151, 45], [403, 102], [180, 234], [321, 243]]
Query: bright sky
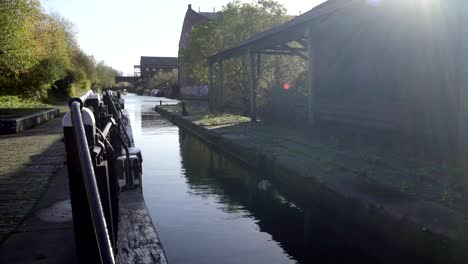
[[118, 32]]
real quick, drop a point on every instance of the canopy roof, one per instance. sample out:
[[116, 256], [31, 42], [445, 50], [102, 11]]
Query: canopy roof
[[335, 17], [293, 30]]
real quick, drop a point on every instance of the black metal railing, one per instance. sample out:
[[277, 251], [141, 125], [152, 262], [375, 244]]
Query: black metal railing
[[97, 145], [117, 113]]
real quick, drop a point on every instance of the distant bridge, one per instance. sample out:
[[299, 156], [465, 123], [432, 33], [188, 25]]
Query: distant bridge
[[130, 79]]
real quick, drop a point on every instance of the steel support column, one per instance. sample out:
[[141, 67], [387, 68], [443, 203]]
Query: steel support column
[[220, 87], [211, 90], [310, 80], [252, 93], [463, 97], [259, 63]]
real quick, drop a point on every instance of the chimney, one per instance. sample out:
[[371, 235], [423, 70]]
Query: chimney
[[214, 10], [199, 10], [190, 6]]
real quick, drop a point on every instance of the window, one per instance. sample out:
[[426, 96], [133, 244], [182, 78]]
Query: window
[[147, 69]]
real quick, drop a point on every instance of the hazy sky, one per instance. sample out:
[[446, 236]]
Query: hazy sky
[[120, 31]]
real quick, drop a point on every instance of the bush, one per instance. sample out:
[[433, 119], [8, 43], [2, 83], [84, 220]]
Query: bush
[[164, 79], [16, 102]]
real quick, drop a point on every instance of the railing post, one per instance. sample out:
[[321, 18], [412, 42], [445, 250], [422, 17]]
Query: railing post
[[104, 185], [114, 191], [462, 137], [85, 239], [310, 79], [90, 190], [211, 91], [220, 88]]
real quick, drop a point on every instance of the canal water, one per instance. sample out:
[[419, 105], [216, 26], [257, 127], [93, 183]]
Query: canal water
[[209, 209]]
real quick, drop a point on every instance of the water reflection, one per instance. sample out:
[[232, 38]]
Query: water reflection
[[306, 234]]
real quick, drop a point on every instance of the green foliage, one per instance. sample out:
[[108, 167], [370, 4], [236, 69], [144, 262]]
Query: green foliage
[[16, 102], [164, 79], [17, 55], [235, 23], [39, 54], [223, 119], [105, 76]]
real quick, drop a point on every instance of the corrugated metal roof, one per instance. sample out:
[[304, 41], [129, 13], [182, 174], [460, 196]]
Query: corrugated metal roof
[[209, 15]]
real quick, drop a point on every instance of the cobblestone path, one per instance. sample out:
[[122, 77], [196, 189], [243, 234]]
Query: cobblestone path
[[27, 161]]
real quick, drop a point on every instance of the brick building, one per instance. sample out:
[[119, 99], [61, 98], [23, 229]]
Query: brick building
[[188, 86], [150, 66]]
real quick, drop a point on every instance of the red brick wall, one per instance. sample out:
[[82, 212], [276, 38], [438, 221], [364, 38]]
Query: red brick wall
[[192, 19]]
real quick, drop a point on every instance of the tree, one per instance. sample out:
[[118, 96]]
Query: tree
[[17, 55], [105, 76], [164, 79], [236, 22], [39, 53]]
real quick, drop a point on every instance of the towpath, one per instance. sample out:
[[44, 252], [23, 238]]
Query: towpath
[[34, 201]]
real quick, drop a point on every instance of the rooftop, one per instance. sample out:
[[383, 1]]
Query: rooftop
[[157, 61], [292, 30], [209, 15]]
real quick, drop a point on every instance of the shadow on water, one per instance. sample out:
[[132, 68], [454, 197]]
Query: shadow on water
[[304, 230]]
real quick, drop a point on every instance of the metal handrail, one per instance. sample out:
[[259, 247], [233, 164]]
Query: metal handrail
[[107, 129], [81, 99], [97, 214], [85, 96]]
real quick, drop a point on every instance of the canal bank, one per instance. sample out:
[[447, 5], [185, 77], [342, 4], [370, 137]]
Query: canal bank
[[421, 226]]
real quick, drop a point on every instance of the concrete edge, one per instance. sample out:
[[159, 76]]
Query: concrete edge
[[25, 122], [137, 239]]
